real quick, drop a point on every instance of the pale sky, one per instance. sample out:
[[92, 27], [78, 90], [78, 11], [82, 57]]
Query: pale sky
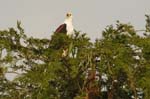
[[41, 17]]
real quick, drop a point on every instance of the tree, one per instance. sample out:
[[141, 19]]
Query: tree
[[63, 67]]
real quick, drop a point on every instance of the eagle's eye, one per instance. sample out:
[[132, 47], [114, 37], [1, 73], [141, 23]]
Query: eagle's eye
[[68, 14]]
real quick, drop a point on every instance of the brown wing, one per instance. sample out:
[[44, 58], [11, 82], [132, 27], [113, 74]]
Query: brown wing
[[61, 29]]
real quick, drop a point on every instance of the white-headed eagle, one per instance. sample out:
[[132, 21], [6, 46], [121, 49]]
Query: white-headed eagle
[[67, 26]]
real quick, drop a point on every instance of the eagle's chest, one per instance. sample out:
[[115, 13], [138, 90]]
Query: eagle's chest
[[69, 29]]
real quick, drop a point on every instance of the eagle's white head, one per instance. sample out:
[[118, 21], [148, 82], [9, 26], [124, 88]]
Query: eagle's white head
[[69, 16], [68, 21]]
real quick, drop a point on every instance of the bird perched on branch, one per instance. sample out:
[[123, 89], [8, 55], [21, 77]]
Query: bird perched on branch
[[66, 27]]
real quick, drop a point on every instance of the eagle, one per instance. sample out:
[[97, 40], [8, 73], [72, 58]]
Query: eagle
[[67, 27]]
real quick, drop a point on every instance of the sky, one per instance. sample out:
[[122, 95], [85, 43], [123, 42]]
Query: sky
[[40, 18]]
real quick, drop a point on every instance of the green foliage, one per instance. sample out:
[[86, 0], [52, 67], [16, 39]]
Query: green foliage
[[43, 73]]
